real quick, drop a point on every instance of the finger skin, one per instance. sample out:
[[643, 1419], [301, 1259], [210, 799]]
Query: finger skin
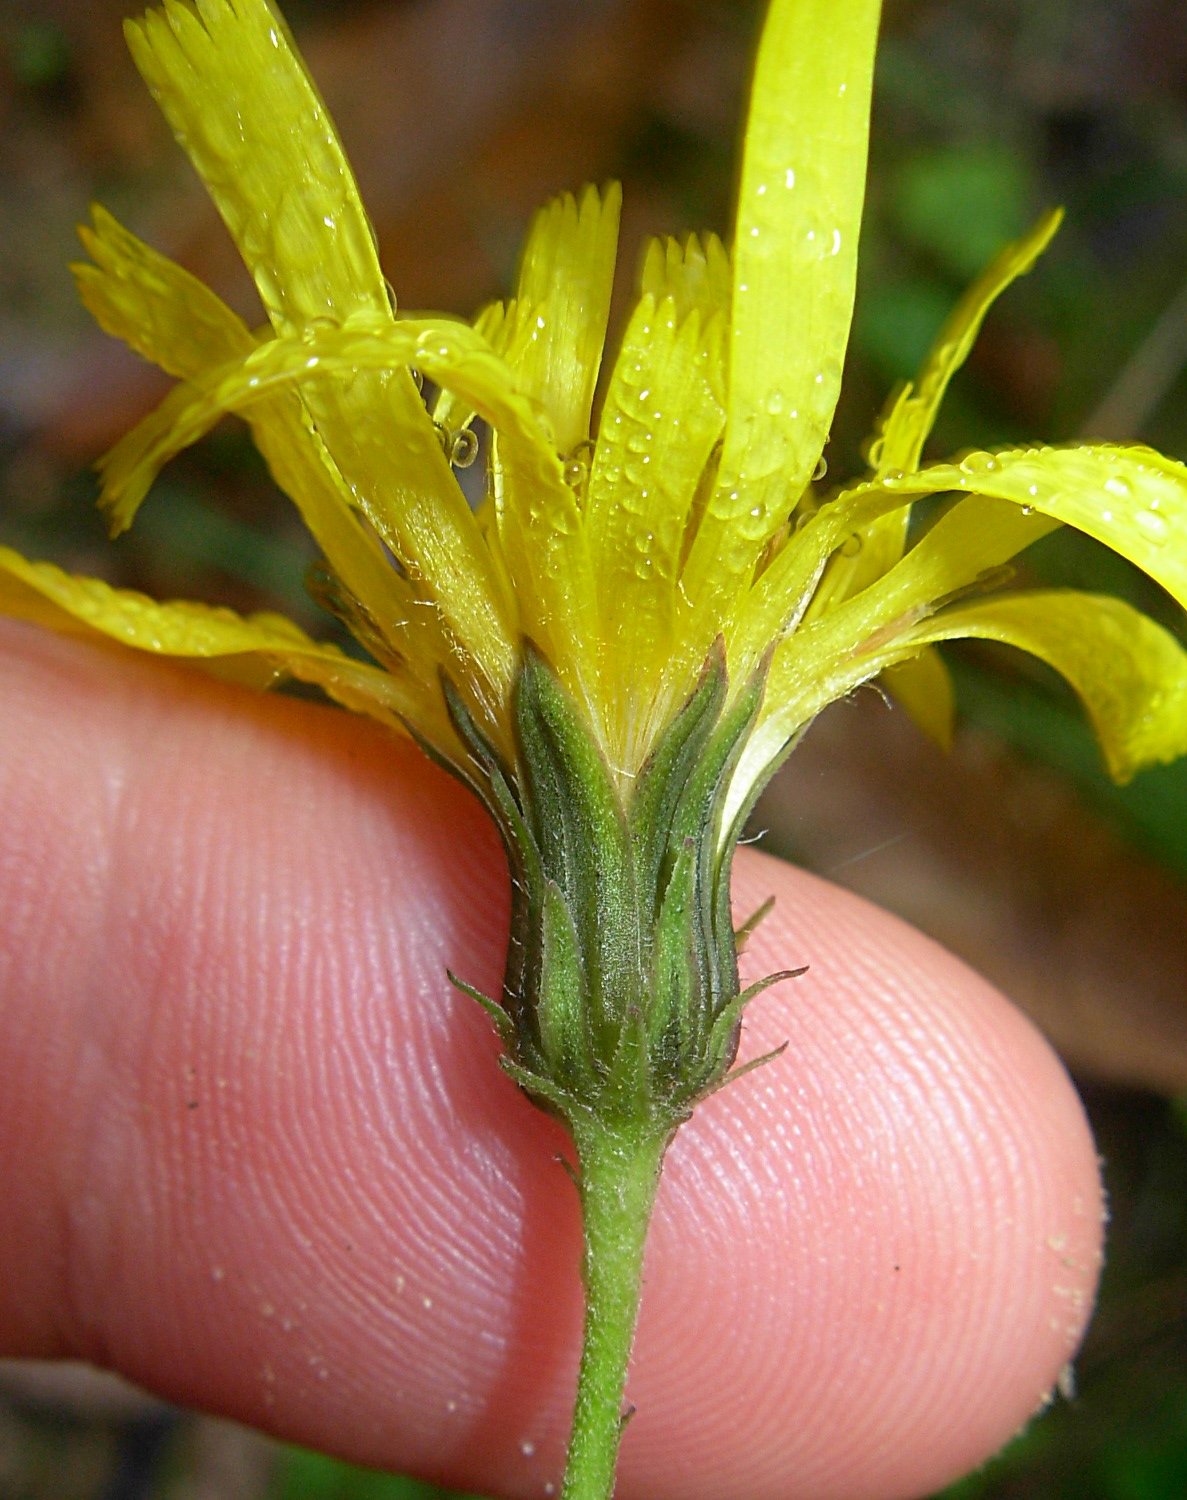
[[259, 1157]]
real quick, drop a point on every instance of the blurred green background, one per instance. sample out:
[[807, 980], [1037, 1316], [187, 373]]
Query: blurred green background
[[987, 111]]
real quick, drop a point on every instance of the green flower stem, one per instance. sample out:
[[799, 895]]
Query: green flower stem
[[620, 1170]]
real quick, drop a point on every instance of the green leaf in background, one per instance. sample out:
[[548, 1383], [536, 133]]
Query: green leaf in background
[[960, 204], [896, 321], [304, 1475]]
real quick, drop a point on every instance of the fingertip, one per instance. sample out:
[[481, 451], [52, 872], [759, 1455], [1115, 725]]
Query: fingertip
[[879, 1250], [278, 1173]]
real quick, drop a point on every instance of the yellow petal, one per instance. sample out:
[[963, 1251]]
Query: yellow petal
[[494, 323], [258, 650], [782, 593], [233, 87], [170, 317], [1130, 673], [794, 262], [694, 272], [661, 418], [565, 279], [967, 547], [922, 686], [156, 307], [1130, 498], [900, 442], [431, 532], [906, 426]]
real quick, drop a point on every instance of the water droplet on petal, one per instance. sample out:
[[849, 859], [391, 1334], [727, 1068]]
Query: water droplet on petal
[[820, 470], [1151, 524]]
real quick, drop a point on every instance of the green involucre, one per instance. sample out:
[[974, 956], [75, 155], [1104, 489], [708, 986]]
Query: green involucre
[[620, 999]]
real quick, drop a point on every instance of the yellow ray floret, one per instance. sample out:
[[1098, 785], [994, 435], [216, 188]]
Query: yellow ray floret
[[258, 650], [1130, 673], [565, 279], [794, 269], [628, 544], [233, 87], [156, 307]]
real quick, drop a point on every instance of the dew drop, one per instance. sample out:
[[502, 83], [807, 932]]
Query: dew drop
[[851, 546], [820, 470], [1119, 487], [789, 178], [527, 1448], [775, 403], [644, 542], [1152, 524]]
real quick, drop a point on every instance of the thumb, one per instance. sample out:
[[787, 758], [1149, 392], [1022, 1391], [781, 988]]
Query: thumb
[[261, 1160]]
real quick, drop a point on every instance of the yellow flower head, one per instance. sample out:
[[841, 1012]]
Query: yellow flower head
[[622, 536]]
